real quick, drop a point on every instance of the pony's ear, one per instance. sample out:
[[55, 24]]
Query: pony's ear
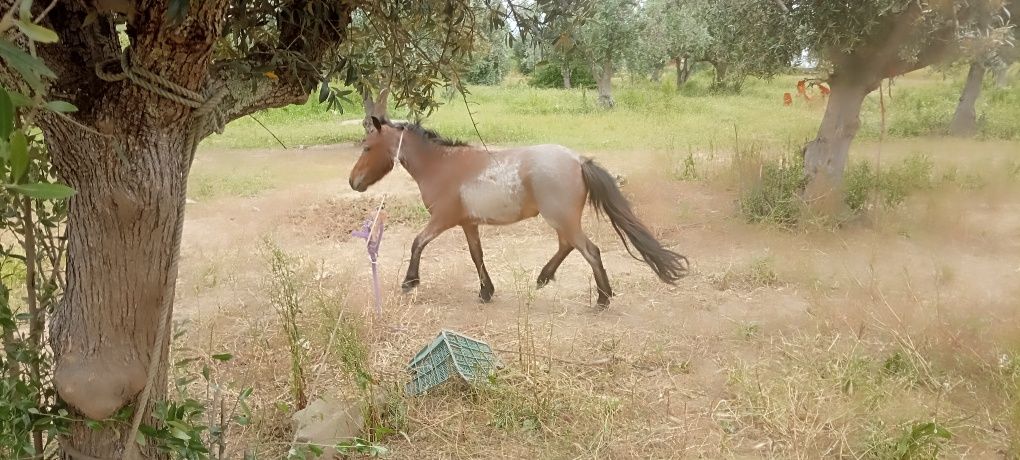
[[377, 123]]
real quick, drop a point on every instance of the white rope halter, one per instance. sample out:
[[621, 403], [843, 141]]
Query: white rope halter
[[400, 145]]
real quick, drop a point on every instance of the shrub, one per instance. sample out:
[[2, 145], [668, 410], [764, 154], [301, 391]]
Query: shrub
[[549, 76], [860, 182], [774, 195], [490, 70], [895, 184]]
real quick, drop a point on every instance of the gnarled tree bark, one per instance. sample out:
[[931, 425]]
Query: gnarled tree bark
[[855, 75], [566, 71], [127, 152], [604, 83], [825, 158], [964, 122], [683, 71]]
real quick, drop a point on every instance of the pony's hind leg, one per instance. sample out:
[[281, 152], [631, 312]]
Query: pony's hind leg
[[548, 272], [593, 255], [434, 228], [475, 246]]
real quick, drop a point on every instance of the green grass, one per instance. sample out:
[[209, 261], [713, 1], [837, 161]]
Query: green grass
[[648, 116], [206, 186]]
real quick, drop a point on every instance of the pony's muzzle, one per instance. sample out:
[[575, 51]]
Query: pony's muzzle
[[357, 183]]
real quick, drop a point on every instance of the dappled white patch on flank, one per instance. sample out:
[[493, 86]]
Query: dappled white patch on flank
[[494, 196]]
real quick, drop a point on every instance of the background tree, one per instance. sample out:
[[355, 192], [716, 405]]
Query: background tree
[[554, 40], [988, 46], [604, 37], [489, 63], [670, 30], [860, 44], [145, 97]]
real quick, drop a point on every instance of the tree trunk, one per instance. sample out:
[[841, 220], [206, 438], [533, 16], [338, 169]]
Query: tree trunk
[[604, 83], [657, 74], [127, 153], [720, 73], [567, 72], [683, 71], [123, 244], [965, 119], [825, 158]]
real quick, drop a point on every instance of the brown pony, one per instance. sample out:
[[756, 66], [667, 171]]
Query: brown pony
[[466, 186]]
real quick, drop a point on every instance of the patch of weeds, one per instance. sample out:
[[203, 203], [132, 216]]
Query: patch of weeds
[[896, 365], [1009, 378], [760, 272], [412, 213], [195, 424], [898, 182], [893, 185], [772, 195], [916, 440], [208, 278], [859, 184], [810, 395], [512, 406], [660, 355], [1013, 170], [687, 170], [749, 331], [286, 293]]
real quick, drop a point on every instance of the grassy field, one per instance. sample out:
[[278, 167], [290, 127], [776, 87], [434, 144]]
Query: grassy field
[[891, 334], [648, 117]]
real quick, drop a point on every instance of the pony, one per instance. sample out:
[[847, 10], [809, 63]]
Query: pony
[[467, 186]]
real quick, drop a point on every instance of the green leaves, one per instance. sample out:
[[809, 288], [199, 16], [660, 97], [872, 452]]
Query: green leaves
[[6, 115], [37, 32], [61, 106], [18, 156], [30, 68], [43, 191]]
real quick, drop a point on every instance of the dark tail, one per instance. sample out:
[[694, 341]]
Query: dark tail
[[605, 197]]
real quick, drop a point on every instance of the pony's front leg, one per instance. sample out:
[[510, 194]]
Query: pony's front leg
[[475, 247], [434, 228]]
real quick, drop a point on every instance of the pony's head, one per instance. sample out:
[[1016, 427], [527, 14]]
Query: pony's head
[[378, 155]]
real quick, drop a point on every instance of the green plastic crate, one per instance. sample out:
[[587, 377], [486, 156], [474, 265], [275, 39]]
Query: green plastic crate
[[451, 354]]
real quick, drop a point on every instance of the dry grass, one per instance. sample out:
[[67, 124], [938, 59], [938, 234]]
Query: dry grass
[[870, 339]]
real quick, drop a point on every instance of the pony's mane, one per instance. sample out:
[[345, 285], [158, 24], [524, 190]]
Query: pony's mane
[[428, 134]]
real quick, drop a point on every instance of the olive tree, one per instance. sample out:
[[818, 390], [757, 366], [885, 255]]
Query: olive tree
[[670, 30], [605, 37], [150, 79], [554, 39], [988, 46], [860, 44]]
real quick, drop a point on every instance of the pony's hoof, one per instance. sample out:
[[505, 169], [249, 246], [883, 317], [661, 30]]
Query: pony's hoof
[[542, 282], [485, 294], [602, 305], [409, 285]]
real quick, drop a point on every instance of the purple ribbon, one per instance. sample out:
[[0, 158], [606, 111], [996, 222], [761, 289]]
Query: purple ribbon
[[373, 236]]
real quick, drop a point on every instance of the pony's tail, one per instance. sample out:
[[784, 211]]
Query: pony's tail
[[605, 197]]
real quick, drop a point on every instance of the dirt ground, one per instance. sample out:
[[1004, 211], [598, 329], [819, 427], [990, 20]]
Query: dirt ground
[[752, 355]]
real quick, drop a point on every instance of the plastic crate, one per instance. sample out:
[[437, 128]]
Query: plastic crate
[[451, 354]]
